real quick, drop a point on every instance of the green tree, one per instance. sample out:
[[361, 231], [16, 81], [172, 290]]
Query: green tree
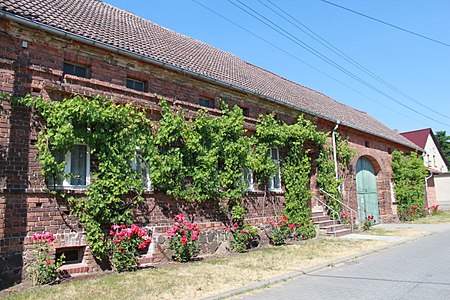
[[444, 142]]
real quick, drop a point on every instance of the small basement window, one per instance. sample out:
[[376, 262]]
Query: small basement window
[[245, 111], [72, 255], [136, 85], [79, 71], [367, 144], [206, 102]]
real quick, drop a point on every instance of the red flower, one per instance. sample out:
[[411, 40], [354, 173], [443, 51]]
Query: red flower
[[244, 231], [291, 226], [184, 240], [47, 262], [194, 235], [374, 221]]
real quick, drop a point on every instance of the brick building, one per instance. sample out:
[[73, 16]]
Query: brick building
[[56, 49]]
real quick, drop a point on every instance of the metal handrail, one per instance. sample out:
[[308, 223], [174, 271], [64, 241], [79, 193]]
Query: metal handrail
[[334, 221], [343, 204]]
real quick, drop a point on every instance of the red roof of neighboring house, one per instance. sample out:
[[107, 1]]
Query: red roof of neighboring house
[[418, 137], [109, 26]]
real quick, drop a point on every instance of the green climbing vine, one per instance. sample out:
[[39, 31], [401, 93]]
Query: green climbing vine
[[199, 159], [409, 184], [113, 133], [295, 168], [194, 160], [326, 177]]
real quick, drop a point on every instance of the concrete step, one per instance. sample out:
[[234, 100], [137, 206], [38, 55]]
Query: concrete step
[[325, 223], [341, 232], [317, 213], [331, 229], [319, 218]]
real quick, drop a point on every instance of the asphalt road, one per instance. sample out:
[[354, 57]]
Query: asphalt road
[[417, 270]]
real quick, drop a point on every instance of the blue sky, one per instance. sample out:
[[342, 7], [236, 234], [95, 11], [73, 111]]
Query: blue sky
[[418, 68]]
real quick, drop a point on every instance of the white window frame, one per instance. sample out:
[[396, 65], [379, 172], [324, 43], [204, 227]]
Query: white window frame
[[134, 165], [67, 170], [276, 160], [248, 179]]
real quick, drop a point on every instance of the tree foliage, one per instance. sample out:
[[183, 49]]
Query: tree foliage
[[444, 143]]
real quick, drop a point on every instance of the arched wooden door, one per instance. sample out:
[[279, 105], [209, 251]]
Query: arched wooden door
[[366, 187]]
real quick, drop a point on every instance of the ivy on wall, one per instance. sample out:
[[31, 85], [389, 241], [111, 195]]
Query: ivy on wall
[[409, 185], [196, 160], [199, 159], [295, 168], [113, 133], [326, 177]]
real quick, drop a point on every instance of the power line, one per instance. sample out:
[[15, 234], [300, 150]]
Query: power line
[[305, 63], [343, 55], [386, 23], [316, 53]]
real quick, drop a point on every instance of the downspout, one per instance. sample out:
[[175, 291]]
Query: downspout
[[333, 136], [426, 188]]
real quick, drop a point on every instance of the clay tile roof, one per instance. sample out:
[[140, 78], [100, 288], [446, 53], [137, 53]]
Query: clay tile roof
[[109, 25], [418, 137]]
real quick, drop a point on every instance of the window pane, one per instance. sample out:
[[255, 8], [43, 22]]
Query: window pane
[[248, 177], [135, 85], [75, 70], [58, 178], [78, 165], [277, 181], [140, 165], [206, 102], [275, 155]]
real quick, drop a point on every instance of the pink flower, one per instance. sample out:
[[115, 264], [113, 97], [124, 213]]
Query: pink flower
[[115, 227], [172, 231], [284, 219], [179, 218], [47, 262], [244, 231], [292, 226], [273, 223], [228, 228], [184, 240], [236, 225], [194, 235]]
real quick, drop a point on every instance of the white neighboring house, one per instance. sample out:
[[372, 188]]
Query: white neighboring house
[[438, 183]]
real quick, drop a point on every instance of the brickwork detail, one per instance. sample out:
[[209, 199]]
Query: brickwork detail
[[27, 209]]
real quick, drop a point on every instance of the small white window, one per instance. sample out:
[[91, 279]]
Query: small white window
[[275, 181], [78, 162], [140, 165], [248, 178]]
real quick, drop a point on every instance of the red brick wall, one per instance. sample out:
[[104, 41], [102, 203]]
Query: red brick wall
[[38, 70]]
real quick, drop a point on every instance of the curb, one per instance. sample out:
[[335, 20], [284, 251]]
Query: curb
[[295, 274]]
